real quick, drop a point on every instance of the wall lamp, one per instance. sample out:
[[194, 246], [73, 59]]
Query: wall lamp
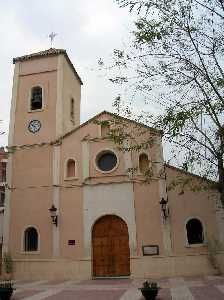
[[164, 208], [53, 214]]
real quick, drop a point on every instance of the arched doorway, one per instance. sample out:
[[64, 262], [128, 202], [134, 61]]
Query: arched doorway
[[111, 253]]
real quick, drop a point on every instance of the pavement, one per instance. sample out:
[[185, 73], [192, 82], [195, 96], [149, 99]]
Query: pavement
[[178, 288]]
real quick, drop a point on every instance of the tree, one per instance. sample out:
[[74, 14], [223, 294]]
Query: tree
[[176, 59]]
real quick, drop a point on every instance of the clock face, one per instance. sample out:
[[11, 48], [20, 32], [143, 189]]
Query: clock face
[[34, 126]]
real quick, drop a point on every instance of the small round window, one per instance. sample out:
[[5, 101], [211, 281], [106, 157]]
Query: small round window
[[106, 161]]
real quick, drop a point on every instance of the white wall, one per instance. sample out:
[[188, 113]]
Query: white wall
[[105, 199]]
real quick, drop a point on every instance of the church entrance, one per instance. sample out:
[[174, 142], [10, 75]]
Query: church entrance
[[110, 242]]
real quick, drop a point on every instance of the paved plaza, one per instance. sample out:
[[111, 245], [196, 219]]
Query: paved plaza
[[180, 288]]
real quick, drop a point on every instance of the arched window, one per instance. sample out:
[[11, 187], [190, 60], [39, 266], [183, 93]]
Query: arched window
[[70, 168], [36, 100], [30, 239], [143, 163], [195, 233], [72, 110]]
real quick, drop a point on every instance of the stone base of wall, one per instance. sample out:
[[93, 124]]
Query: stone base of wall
[[219, 261], [141, 267], [156, 267], [51, 269]]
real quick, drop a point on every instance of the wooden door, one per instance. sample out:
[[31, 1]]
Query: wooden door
[[111, 254]]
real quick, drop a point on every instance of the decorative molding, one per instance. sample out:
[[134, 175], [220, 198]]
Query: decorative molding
[[65, 169], [22, 240], [29, 99], [187, 245], [101, 152]]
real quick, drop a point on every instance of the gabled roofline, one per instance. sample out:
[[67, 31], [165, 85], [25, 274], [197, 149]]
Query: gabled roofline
[[112, 115], [48, 53], [190, 174]]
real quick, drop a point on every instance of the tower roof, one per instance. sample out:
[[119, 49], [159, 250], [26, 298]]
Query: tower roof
[[48, 52]]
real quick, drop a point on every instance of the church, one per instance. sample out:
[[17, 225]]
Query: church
[[73, 209]]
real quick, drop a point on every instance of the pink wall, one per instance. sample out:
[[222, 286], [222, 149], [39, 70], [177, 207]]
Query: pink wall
[[184, 206]]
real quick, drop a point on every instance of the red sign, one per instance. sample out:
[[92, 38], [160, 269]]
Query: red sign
[[71, 242]]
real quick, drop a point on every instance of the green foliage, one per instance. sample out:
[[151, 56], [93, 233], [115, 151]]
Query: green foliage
[[7, 284], [151, 285], [175, 61], [148, 31]]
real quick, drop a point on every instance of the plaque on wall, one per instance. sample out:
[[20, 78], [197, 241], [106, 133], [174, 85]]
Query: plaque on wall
[[71, 242], [150, 250]]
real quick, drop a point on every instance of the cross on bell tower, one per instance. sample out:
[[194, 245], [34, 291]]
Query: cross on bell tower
[[52, 35]]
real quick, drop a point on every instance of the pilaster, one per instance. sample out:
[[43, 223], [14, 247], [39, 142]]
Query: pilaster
[[59, 101], [13, 104], [56, 199], [165, 223], [85, 159], [127, 158]]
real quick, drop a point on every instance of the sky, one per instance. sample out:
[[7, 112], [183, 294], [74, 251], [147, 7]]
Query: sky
[[87, 29]]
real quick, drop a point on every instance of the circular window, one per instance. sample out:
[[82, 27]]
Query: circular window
[[106, 161]]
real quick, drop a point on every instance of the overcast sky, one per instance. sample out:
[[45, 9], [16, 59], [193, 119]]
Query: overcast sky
[[87, 29]]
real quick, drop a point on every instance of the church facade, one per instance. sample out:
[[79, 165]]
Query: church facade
[[73, 209]]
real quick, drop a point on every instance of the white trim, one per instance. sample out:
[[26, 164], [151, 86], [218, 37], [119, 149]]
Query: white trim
[[15, 89], [30, 252], [65, 169], [23, 251], [102, 151], [97, 202], [29, 99], [187, 245]]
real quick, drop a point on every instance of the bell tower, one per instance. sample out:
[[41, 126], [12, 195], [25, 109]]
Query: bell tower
[[45, 105], [45, 97]]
